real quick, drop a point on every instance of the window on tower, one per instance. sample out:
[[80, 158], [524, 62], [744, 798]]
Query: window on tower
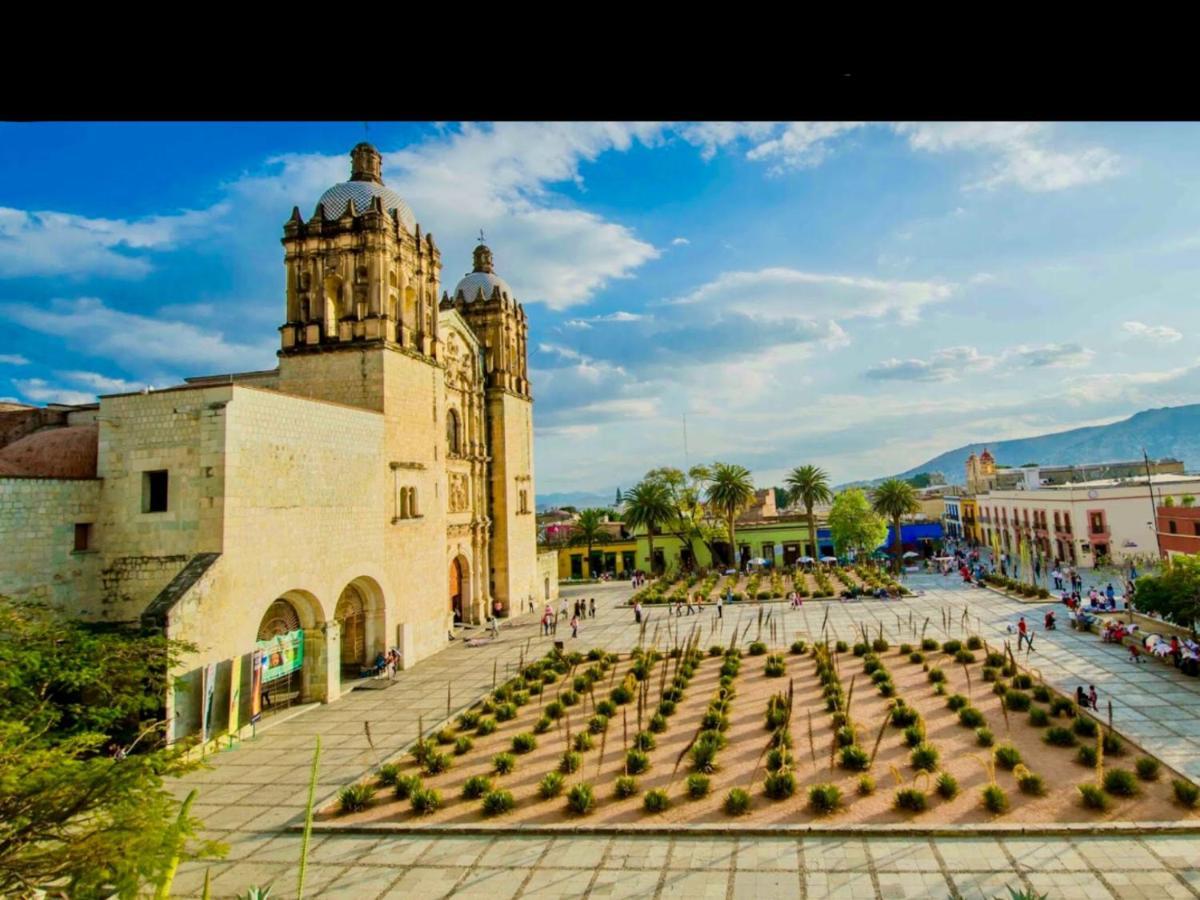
[[453, 436]]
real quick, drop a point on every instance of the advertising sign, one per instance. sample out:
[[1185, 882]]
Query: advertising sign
[[210, 689], [257, 659], [235, 694]]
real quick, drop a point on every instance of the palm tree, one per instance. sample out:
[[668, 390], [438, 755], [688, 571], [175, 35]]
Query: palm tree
[[810, 486], [648, 506], [589, 529], [730, 491], [895, 499]]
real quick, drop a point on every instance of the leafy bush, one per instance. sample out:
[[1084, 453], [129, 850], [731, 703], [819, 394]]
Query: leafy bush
[[388, 774], [1085, 726], [780, 785], [984, 737], [1038, 717], [406, 786], [860, 649], [626, 786], [476, 786], [643, 740], [989, 674], [757, 648], [951, 646], [924, 757], [916, 657], [570, 762], [906, 649], [1093, 797], [526, 743], [1086, 756], [445, 736], [485, 727], [542, 725], [903, 716], [1017, 701], [658, 723], [841, 647], [1000, 689], [798, 647], [714, 719], [963, 657], [866, 785], [974, 642], [887, 689], [581, 799], [555, 709], [716, 650], [855, 758], [880, 645], [939, 689], [1007, 756], [1041, 693], [928, 644], [463, 745], [425, 801], [606, 708], [1059, 737], [947, 785], [1120, 782], [621, 694], [503, 763], [994, 799], [582, 742], [1062, 706], [970, 717], [1031, 783], [737, 802], [665, 707], [914, 735], [506, 712], [778, 759], [698, 785], [824, 798], [936, 675], [1147, 768], [356, 797], [911, 800], [469, 719], [436, 762], [1113, 745], [1022, 681], [994, 660], [656, 800], [497, 803], [598, 723], [551, 785], [1186, 793], [637, 762], [956, 702], [775, 667]]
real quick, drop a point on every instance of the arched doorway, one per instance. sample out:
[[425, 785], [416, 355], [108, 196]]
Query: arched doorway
[[280, 643], [351, 616], [459, 593]]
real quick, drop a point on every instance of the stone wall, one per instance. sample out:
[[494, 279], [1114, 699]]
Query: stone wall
[[37, 541]]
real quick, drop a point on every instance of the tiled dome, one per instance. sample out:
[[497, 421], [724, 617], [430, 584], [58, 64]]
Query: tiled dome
[[68, 452], [361, 193]]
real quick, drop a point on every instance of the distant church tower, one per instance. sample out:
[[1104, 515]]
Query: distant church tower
[[487, 304]]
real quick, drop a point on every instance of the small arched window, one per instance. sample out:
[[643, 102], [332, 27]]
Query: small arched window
[[404, 513], [453, 436], [412, 502]]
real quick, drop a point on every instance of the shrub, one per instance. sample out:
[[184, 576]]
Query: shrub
[[730, 668], [775, 667], [1062, 706], [778, 759], [656, 801], [962, 657], [436, 762], [956, 702], [643, 740], [551, 785], [860, 649], [780, 785], [989, 674], [798, 647], [903, 716], [621, 694], [1085, 726], [1113, 745], [406, 785], [1038, 717], [462, 745], [1147, 768], [906, 649], [485, 727], [1041, 693], [606, 708], [911, 800], [970, 717], [936, 675], [714, 719], [879, 676], [841, 647], [626, 786], [1093, 797], [535, 688], [1022, 681], [526, 743], [698, 785], [939, 689], [598, 723], [947, 785], [1031, 783], [984, 737], [1120, 782], [1186, 793], [994, 799], [637, 762], [582, 742], [665, 707], [916, 657], [476, 786], [999, 689], [503, 763], [425, 801], [1059, 737], [845, 736], [855, 758], [928, 644], [445, 736], [1007, 756], [356, 797], [542, 725], [887, 689], [506, 711], [389, 773], [951, 646], [469, 719], [824, 798], [555, 709], [1017, 701], [866, 785], [924, 757], [716, 650], [994, 660], [914, 735], [549, 677], [737, 802], [757, 648], [658, 723], [1086, 756], [974, 642], [581, 799], [880, 645], [570, 762]]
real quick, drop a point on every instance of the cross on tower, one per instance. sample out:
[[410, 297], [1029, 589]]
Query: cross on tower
[[481, 240]]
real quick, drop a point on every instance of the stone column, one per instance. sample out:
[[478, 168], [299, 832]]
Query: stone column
[[321, 677]]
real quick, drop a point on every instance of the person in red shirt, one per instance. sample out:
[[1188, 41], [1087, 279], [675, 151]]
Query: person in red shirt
[[1023, 634], [1176, 652]]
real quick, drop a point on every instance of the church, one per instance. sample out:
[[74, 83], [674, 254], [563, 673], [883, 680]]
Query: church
[[373, 491]]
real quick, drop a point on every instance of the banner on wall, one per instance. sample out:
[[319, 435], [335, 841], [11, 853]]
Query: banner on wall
[[235, 694], [257, 660], [210, 691], [284, 655]]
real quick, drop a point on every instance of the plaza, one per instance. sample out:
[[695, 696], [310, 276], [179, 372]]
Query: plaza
[[253, 796]]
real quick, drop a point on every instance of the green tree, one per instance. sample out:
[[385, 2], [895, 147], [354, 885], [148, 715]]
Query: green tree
[[589, 530], [895, 499], [810, 485], [74, 818], [1175, 594], [730, 491], [691, 520], [854, 524], [648, 506]]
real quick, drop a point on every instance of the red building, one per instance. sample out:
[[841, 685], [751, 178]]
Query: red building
[[1179, 529]]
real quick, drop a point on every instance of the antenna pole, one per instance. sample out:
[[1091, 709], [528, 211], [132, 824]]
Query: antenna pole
[[1153, 505]]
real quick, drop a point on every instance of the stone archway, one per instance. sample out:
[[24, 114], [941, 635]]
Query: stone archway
[[460, 588], [360, 617], [291, 642]]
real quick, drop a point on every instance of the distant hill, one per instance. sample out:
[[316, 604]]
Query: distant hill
[[1171, 431], [578, 499]]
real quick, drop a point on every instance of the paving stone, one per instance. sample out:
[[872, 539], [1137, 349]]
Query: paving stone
[[1069, 885], [425, 883], [491, 884], [756, 885], [840, 885], [625, 883], [575, 853], [556, 883], [769, 853], [984, 885], [1118, 853], [835, 854], [1038, 854], [515, 852], [1146, 885], [637, 853], [891, 855], [454, 851], [913, 884], [396, 851], [703, 853], [973, 854], [699, 885], [345, 849]]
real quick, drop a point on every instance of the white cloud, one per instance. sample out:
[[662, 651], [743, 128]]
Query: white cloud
[[1022, 151], [712, 136], [40, 391], [13, 359], [800, 145], [39, 243], [132, 339], [1053, 356], [102, 384], [952, 363], [680, 242], [1161, 334]]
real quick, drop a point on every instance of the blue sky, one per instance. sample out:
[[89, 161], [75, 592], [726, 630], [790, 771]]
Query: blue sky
[[858, 295]]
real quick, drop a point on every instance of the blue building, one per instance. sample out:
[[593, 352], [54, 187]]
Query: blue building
[[922, 538]]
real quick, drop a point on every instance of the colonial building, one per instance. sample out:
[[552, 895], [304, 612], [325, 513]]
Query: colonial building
[[373, 491]]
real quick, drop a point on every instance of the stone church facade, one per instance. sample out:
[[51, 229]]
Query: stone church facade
[[375, 490]]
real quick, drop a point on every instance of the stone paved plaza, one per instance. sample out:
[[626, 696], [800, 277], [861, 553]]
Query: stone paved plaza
[[254, 792]]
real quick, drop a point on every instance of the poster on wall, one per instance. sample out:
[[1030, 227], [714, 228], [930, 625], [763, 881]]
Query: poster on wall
[[284, 655], [257, 660], [210, 690], [235, 695]]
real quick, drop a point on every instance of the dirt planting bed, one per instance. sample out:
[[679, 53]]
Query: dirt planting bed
[[664, 795]]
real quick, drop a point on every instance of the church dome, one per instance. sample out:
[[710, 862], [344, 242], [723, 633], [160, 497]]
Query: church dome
[[366, 183], [483, 278], [66, 452]]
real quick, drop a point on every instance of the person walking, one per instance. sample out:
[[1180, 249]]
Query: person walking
[[575, 626], [592, 608], [1022, 633], [1093, 698], [563, 608], [720, 604], [691, 609], [637, 612], [547, 617]]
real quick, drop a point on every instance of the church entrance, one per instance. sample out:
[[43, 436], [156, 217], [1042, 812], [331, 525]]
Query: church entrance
[[458, 589], [280, 643], [351, 616]]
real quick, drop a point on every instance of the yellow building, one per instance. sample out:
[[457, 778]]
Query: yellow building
[[616, 557], [370, 492], [968, 510]]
